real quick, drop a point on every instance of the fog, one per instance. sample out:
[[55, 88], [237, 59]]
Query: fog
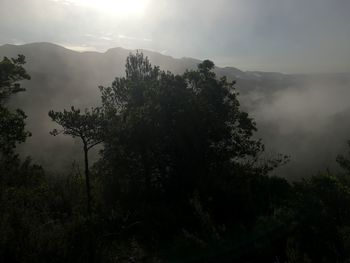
[[309, 122], [303, 116]]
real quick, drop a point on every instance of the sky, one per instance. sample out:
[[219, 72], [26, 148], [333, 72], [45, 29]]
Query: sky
[[291, 36]]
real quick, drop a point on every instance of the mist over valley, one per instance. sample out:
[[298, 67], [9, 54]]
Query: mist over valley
[[303, 116]]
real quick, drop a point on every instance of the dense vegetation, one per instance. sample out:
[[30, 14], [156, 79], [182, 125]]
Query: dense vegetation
[[181, 178]]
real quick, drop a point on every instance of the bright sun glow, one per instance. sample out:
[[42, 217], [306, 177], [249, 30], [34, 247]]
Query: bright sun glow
[[120, 7]]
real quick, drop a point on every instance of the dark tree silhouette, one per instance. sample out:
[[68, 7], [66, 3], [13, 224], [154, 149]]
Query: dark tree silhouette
[[12, 125], [11, 72], [170, 139], [86, 126]]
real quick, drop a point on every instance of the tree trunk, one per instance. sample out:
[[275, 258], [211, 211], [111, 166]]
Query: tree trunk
[[87, 179]]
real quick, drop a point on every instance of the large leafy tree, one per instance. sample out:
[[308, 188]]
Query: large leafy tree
[[172, 138]]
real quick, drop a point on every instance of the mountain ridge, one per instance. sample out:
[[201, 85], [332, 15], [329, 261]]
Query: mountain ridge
[[111, 50]]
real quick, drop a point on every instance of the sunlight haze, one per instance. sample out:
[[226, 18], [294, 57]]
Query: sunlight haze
[[271, 35]]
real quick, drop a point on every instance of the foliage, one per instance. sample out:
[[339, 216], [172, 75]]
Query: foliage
[[86, 126], [12, 129], [180, 156], [317, 215], [12, 125], [181, 178], [11, 72]]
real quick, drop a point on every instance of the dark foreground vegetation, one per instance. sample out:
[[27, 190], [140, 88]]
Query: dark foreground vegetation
[[180, 178]]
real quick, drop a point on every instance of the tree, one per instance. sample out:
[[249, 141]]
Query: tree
[[11, 72], [12, 125], [170, 138], [86, 126], [23, 190]]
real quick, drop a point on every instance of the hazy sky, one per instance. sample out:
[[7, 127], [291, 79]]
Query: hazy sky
[[270, 35]]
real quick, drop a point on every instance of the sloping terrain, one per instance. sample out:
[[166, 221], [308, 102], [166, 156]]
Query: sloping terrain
[[305, 116]]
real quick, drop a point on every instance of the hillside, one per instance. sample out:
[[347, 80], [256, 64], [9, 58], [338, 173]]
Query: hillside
[[291, 117]]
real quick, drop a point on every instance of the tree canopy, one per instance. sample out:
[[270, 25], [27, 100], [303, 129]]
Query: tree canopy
[[181, 178], [170, 139]]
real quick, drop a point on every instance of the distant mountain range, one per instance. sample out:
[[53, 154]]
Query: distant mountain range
[[62, 77]]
